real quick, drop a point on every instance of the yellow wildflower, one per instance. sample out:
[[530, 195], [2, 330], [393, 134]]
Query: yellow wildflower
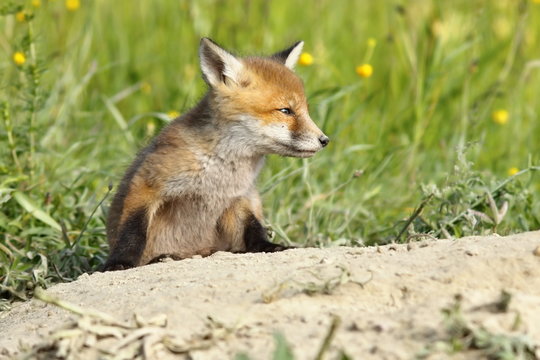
[[409, 210], [502, 27], [36, 3], [20, 16], [371, 42], [305, 59], [173, 114], [513, 171], [146, 88], [500, 116], [437, 27], [150, 127], [364, 70], [73, 5], [19, 58], [536, 1]]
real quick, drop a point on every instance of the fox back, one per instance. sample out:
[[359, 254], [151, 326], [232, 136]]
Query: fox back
[[191, 191]]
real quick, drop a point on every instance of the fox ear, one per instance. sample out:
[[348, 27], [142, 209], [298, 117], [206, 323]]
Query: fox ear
[[217, 64], [289, 57]]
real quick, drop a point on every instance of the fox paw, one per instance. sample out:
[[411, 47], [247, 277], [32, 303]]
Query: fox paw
[[116, 267], [165, 257], [275, 248]]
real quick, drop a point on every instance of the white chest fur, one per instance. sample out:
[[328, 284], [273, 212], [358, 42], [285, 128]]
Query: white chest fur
[[219, 179]]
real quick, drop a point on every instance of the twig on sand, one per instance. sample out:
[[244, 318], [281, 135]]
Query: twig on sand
[[336, 321], [42, 295]]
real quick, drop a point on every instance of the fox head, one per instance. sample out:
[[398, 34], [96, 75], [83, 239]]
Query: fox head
[[262, 100]]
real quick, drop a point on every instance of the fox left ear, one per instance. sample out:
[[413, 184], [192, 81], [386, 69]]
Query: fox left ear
[[217, 64], [289, 57]]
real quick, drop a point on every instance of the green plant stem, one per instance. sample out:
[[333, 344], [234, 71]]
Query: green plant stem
[[508, 63], [90, 218], [34, 78], [11, 139], [414, 216]]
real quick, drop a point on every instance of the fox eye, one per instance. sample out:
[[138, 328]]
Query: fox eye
[[287, 111]]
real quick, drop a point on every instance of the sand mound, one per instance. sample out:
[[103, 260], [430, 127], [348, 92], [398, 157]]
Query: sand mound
[[384, 302]]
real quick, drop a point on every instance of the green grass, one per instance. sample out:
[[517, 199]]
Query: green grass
[[98, 82], [463, 335]]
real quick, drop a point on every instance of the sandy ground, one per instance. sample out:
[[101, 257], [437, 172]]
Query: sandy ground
[[389, 300]]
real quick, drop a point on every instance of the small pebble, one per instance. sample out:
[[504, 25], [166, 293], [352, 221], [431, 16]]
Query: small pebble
[[536, 251]]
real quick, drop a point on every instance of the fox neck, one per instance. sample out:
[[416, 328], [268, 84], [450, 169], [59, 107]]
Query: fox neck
[[232, 135], [228, 157]]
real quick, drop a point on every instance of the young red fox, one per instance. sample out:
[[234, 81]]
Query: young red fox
[[192, 190]]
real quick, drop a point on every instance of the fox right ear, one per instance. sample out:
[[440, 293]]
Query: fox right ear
[[289, 57], [217, 64]]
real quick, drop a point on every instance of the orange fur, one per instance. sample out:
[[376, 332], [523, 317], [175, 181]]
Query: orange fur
[[231, 223], [266, 86], [192, 189]]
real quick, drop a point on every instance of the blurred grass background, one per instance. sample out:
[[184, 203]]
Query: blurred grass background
[[447, 124]]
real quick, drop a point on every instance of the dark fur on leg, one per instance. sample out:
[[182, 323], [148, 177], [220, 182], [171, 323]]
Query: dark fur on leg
[[130, 243], [256, 239]]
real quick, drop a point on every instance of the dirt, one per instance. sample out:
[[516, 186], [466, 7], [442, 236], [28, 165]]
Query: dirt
[[388, 300]]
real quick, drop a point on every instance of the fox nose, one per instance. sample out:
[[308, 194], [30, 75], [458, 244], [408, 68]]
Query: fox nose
[[324, 140]]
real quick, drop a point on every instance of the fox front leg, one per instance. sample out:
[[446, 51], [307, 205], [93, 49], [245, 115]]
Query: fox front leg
[[256, 237], [240, 230]]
